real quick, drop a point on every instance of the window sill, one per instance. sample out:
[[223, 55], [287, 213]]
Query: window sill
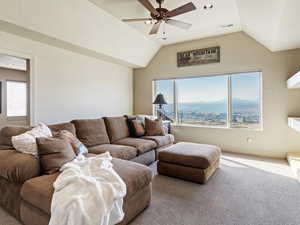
[[216, 127], [16, 118]]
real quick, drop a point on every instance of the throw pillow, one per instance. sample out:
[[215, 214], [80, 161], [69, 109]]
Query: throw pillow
[[136, 128], [154, 127], [77, 146], [54, 153], [26, 142]]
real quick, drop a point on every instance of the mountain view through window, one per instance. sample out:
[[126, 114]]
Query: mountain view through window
[[205, 101], [202, 101]]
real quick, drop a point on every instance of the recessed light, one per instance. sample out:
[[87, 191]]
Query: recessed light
[[208, 6], [227, 25]]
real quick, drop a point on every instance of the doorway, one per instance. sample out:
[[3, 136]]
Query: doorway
[[14, 91]]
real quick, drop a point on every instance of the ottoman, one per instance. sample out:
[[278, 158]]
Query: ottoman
[[189, 161]]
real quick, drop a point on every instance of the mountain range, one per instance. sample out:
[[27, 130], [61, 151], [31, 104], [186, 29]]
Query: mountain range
[[239, 106]]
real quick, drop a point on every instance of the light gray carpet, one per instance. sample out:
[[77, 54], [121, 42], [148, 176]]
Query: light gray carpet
[[244, 191]]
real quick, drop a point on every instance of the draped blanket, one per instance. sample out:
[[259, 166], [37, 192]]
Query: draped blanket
[[88, 192]]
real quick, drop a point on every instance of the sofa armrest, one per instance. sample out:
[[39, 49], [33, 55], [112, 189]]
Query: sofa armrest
[[18, 167]]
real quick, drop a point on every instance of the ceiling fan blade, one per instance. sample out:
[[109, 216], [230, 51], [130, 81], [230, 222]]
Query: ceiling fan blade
[[136, 20], [179, 24], [149, 6], [181, 10], [155, 28]]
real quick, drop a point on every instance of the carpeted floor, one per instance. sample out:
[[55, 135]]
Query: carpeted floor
[[244, 191]]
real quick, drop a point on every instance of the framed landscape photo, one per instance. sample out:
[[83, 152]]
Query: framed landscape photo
[[199, 57]]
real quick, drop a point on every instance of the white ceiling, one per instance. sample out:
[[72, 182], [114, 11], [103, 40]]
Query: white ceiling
[[273, 23]]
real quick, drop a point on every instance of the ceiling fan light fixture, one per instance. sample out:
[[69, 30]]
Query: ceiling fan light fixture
[[149, 22], [164, 36], [208, 6]]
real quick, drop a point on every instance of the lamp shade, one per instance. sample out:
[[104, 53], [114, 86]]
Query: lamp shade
[[160, 100]]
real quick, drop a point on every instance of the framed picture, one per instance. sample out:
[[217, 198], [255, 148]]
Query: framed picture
[[199, 57]]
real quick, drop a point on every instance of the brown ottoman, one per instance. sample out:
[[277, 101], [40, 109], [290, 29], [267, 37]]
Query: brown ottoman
[[189, 161]]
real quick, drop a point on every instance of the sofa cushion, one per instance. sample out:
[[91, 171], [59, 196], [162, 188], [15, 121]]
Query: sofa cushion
[[142, 145], [38, 191], [63, 126], [161, 140], [191, 155], [135, 175], [8, 132], [116, 151], [54, 153], [18, 167], [117, 128], [6, 147], [154, 127], [91, 132]]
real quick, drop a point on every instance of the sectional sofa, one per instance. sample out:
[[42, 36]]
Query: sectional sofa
[[26, 192]]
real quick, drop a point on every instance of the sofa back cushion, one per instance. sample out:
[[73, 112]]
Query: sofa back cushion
[[7, 132], [55, 128], [91, 132], [117, 128]]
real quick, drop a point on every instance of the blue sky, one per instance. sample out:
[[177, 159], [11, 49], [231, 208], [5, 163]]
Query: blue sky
[[207, 89]]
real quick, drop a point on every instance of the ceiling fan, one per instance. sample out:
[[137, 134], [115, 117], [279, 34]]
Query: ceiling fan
[[160, 15]]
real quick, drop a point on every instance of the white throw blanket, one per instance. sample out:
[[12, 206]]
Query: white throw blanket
[[88, 192]]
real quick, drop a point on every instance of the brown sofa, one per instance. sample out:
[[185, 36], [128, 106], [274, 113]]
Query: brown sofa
[[26, 192]]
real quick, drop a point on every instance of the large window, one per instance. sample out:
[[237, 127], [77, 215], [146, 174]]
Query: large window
[[166, 87], [16, 94], [231, 100]]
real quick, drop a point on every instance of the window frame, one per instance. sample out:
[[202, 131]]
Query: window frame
[[229, 99], [5, 101]]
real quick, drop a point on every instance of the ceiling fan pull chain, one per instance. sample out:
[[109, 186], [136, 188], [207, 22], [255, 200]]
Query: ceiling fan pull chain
[[164, 36]]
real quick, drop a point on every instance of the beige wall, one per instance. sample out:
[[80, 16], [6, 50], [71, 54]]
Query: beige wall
[[239, 53], [67, 85]]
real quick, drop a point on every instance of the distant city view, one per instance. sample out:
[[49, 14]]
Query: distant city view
[[245, 113], [203, 101]]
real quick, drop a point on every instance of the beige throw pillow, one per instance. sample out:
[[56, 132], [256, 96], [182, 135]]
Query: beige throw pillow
[[154, 127], [26, 142]]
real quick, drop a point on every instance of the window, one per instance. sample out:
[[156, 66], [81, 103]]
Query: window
[[202, 101], [230, 101], [166, 87], [245, 100], [16, 94]]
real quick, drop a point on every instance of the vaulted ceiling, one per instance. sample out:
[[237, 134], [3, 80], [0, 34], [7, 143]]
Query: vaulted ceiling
[[95, 27], [273, 23]]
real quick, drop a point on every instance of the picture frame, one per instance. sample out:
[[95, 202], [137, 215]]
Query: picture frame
[[199, 56]]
